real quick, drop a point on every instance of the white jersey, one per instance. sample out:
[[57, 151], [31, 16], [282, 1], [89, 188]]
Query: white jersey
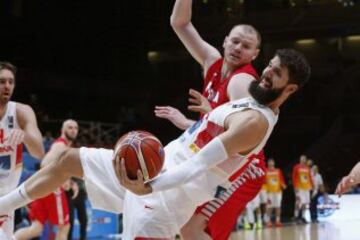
[[163, 213], [10, 156], [202, 132]]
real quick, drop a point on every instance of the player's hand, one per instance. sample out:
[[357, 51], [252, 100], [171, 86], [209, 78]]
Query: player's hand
[[15, 137], [136, 186], [345, 185], [201, 104], [173, 115]]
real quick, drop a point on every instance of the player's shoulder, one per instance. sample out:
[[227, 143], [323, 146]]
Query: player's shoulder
[[22, 107]]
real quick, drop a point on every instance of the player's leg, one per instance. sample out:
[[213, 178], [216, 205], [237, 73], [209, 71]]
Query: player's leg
[[189, 232], [54, 175], [278, 209], [34, 230], [45, 181]]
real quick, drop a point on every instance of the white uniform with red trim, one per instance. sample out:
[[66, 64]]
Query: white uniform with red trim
[[10, 161], [162, 214]]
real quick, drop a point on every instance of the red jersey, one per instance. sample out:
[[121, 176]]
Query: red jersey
[[60, 139], [215, 88], [223, 217]]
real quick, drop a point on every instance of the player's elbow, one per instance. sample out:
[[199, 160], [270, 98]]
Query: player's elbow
[[178, 23]]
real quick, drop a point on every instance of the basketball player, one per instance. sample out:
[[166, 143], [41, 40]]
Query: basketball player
[[226, 79], [202, 158], [349, 181], [303, 183], [18, 125], [54, 207], [275, 184]]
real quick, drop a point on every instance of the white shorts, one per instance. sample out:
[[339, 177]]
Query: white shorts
[[157, 215], [102, 186], [162, 214], [255, 203], [263, 196], [274, 199], [304, 196]]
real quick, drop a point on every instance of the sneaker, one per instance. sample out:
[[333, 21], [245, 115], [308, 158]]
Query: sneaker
[[269, 224], [259, 225], [278, 224], [247, 226]]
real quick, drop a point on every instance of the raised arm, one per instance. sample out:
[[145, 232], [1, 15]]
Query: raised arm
[[180, 21], [32, 135]]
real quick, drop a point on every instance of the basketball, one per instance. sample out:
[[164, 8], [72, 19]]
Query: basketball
[[140, 150]]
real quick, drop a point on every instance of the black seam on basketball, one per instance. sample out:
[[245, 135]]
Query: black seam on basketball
[[156, 152]]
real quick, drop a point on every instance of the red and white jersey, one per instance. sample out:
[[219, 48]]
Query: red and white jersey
[[202, 132], [10, 156], [215, 88]]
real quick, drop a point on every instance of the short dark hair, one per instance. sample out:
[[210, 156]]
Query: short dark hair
[[297, 65], [8, 66]]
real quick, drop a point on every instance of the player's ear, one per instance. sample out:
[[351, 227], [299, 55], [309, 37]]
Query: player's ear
[[291, 88], [225, 40]]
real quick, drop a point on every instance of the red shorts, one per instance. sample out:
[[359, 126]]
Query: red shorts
[[53, 208], [222, 213]]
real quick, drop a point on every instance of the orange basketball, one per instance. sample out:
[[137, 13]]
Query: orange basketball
[[140, 150]]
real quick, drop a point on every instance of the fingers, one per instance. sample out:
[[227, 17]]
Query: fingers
[[163, 111], [140, 177], [195, 94], [196, 108], [344, 186]]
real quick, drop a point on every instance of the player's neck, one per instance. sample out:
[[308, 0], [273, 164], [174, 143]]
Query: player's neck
[[227, 70], [3, 108], [68, 141]]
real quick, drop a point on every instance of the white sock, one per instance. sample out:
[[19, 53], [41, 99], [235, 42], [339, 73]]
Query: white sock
[[13, 200]]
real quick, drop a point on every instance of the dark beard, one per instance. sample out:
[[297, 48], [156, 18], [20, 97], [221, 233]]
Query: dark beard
[[264, 96], [70, 138]]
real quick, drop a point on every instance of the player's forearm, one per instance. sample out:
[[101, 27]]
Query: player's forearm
[[209, 156], [34, 144], [186, 124], [181, 14]]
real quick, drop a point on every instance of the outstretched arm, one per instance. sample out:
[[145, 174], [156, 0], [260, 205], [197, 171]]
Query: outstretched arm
[[180, 20], [32, 135]]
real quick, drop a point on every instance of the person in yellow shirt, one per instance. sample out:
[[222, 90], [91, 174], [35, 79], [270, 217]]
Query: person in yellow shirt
[[275, 184], [303, 183]]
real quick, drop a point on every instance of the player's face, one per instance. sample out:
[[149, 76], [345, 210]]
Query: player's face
[[271, 163], [7, 85], [240, 47], [303, 159], [71, 130], [272, 84]]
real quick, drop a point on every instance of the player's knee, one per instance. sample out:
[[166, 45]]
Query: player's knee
[[188, 232], [69, 163]]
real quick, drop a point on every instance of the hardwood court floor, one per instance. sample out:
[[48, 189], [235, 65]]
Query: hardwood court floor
[[341, 230]]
